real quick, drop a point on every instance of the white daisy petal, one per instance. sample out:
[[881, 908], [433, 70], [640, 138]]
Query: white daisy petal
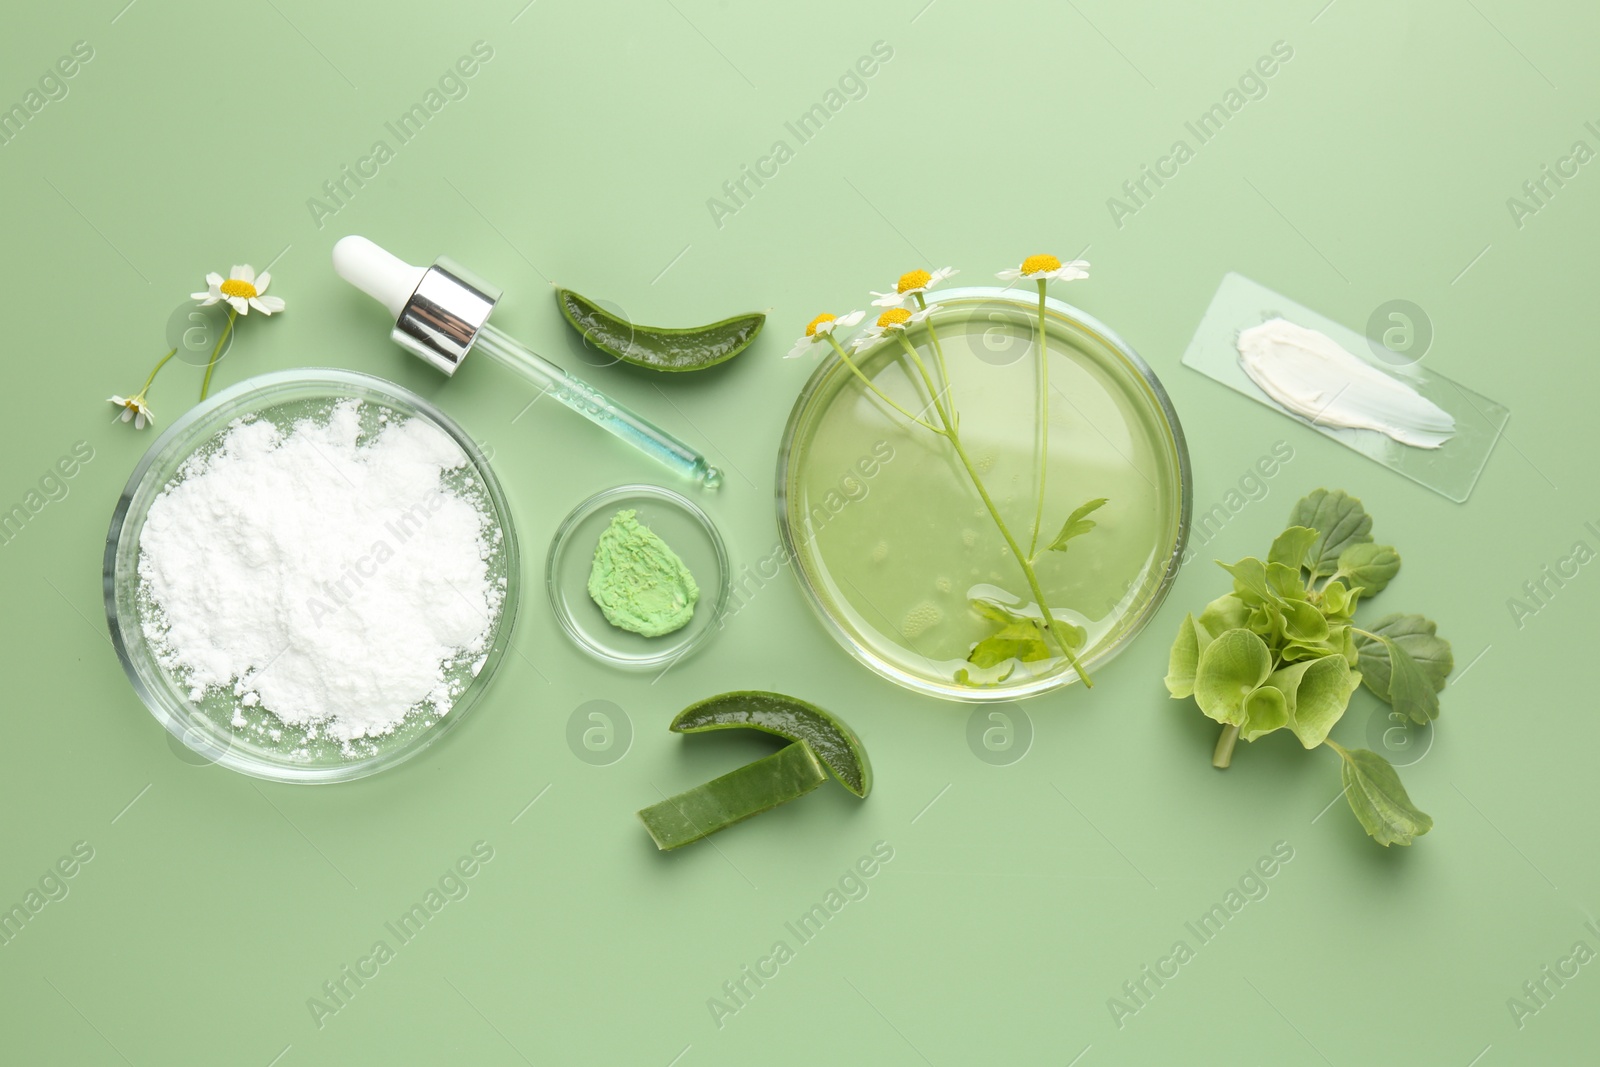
[[268, 305], [239, 304], [801, 347], [127, 413], [214, 279], [244, 272], [887, 300], [263, 280], [851, 319]]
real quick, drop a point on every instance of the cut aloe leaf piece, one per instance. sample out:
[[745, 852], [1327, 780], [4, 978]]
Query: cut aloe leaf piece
[[792, 771], [834, 743], [664, 348]]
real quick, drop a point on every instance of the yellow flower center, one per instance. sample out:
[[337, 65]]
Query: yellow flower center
[[915, 279], [811, 328], [1040, 264], [238, 287], [894, 317]]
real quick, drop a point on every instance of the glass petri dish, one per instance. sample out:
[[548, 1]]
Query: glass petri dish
[[206, 727], [892, 544], [685, 528]]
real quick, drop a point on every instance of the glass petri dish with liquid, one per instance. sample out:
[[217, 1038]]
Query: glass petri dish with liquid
[[892, 543]]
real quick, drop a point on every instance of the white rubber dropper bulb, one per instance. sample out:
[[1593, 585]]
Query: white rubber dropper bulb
[[383, 276]]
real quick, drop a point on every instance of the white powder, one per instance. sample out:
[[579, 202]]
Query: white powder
[[330, 578]]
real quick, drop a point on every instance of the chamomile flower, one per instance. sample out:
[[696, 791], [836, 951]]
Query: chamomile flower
[[1046, 268], [892, 321], [910, 285], [241, 289], [820, 329], [133, 407]]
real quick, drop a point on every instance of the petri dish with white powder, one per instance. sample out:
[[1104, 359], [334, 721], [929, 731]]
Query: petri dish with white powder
[[312, 577]]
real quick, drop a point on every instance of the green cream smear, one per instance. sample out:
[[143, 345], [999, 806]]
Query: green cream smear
[[640, 584]]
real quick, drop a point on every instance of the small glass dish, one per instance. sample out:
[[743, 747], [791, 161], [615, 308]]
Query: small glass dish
[[891, 543], [686, 529], [205, 727]]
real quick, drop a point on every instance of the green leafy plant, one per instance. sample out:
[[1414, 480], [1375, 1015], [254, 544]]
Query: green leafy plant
[[1283, 651]]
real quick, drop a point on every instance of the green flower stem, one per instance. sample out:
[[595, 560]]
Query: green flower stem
[[938, 352], [216, 353], [848, 362], [1044, 425], [162, 362], [950, 431], [1223, 755]]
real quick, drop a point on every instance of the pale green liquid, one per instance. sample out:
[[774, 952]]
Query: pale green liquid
[[895, 554]]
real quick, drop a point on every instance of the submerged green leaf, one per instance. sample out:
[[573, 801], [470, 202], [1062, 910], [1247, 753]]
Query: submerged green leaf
[[1369, 567], [1340, 521], [1022, 641], [1378, 799], [1021, 636], [1230, 668], [1076, 525]]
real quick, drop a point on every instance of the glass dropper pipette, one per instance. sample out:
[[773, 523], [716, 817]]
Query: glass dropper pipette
[[441, 313]]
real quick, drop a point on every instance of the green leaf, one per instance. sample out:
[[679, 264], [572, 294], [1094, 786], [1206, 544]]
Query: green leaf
[[1379, 800], [964, 677], [1227, 612], [1410, 691], [1075, 526], [1230, 668], [1265, 710], [1338, 601], [1369, 567], [1340, 521], [1022, 640], [1250, 581], [1005, 615], [1418, 636], [1319, 692], [1291, 547], [1285, 582], [1184, 659], [1303, 622]]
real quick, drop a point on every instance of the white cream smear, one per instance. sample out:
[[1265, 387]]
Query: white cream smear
[[1310, 374]]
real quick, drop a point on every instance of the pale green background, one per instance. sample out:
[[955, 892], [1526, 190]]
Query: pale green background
[[1377, 167]]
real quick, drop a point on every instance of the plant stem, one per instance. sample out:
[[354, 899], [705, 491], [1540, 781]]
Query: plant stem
[[938, 352], [162, 362], [950, 431], [848, 362], [216, 353], [1224, 750], [1044, 425]]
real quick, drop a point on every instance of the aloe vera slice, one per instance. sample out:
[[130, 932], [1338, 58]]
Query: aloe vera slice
[[792, 771], [663, 348], [794, 720]]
